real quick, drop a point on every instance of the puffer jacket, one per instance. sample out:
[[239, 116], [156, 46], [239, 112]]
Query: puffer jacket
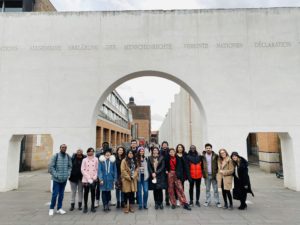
[[60, 167]]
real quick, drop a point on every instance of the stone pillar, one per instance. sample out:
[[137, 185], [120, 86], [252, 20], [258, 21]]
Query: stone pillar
[[269, 151], [10, 157]]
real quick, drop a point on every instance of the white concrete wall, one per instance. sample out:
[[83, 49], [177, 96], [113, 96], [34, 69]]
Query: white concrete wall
[[240, 66], [185, 114]]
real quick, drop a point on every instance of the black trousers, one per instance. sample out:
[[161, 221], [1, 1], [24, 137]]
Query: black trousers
[[98, 190], [196, 182], [226, 193], [86, 189], [158, 196], [106, 197], [129, 197]]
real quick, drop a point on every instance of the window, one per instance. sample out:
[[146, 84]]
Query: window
[[11, 6]]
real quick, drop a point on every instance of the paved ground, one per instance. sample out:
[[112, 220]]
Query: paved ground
[[273, 204]]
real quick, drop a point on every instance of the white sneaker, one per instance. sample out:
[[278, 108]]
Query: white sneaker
[[206, 204], [219, 205], [177, 203], [51, 212], [61, 211], [96, 203]]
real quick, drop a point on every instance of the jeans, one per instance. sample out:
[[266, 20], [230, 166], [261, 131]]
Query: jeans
[[58, 189], [119, 195], [142, 190], [198, 184], [208, 182], [106, 197], [74, 187]]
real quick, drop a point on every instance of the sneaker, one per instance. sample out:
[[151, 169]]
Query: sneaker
[[206, 204], [61, 211], [96, 203], [51, 212], [198, 204], [191, 203], [177, 203], [173, 206], [219, 205]]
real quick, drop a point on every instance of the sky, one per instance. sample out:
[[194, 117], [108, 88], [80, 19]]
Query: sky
[[148, 91], [108, 5], [142, 88]]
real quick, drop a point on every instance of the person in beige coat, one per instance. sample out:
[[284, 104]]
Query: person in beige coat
[[225, 176], [129, 177]]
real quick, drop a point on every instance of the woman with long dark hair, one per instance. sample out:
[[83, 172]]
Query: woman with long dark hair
[[157, 182], [120, 155], [242, 184], [183, 172], [129, 174], [225, 176]]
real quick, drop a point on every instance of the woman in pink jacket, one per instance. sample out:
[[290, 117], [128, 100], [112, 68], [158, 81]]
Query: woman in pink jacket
[[89, 170]]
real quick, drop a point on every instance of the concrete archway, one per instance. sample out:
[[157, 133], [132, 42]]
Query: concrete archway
[[153, 73]]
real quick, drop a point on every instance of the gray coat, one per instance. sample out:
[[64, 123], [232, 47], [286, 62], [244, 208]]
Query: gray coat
[[60, 167]]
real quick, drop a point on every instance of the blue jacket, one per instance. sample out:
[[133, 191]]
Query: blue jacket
[[107, 172], [60, 167]]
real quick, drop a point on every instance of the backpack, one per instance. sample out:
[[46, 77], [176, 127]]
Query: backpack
[[56, 156]]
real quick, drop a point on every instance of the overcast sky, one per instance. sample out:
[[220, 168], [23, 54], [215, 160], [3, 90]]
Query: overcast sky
[[92, 5], [154, 91], [147, 90]]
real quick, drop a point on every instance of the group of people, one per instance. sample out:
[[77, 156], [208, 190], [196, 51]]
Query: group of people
[[132, 174]]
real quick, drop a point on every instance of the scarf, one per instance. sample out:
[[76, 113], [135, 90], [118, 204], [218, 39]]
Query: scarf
[[132, 167]]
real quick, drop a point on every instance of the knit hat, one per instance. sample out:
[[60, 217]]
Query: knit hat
[[140, 148]]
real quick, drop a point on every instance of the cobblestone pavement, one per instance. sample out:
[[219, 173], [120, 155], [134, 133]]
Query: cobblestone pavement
[[272, 204]]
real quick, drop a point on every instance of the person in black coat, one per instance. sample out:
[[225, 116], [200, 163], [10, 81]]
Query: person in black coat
[[120, 155], [164, 152], [157, 177], [242, 184], [75, 179]]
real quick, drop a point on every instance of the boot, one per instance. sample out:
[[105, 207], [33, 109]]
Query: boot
[[187, 206], [72, 206], [79, 205], [122, 204], [126, 208], [85, 209], [118, 204], [225, 206], [131, 209], [93, 209]]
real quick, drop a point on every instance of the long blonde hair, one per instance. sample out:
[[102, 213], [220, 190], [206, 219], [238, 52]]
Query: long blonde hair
[[224, 150]]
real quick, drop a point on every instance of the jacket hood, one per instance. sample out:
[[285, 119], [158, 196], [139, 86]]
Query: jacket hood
[[112, 158]]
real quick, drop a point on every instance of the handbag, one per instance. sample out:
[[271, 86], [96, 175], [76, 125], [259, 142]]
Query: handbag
[[236, 194]]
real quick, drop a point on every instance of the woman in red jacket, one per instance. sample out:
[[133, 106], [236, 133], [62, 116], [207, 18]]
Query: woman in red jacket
[[195, 164]]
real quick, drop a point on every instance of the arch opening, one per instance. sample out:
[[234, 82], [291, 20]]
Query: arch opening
[[148, 73]]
